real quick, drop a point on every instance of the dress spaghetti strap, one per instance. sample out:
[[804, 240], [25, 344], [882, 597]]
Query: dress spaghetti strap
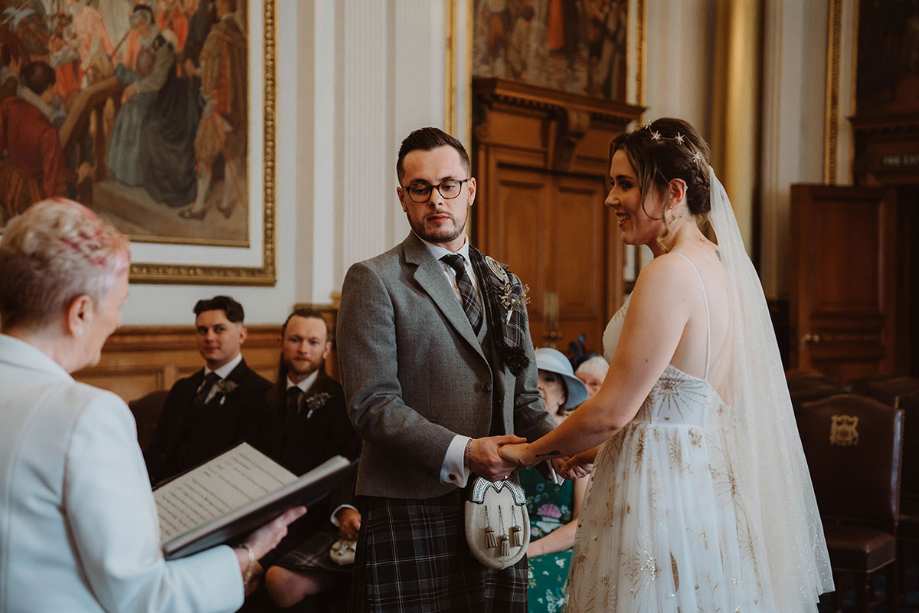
[[708, 321]]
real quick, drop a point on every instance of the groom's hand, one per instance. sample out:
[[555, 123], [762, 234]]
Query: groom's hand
[[485, 461]]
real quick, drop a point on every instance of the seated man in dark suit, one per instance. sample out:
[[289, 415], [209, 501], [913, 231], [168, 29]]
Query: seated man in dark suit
[[204, 414], [305, 423]]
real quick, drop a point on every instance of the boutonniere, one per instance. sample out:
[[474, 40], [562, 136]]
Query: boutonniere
[[511, 294], [312, 403], [225, 388]]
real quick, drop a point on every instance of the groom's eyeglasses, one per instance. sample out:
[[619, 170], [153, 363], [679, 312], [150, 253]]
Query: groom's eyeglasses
[[449, 189]]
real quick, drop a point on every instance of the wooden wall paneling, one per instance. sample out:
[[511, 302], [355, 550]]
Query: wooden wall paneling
[[541, 158], [843, 295], [137, 360], [520, 202], [577, 239]]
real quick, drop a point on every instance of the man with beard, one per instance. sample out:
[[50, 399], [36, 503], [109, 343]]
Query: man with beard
[[303, 425], [438, 374]]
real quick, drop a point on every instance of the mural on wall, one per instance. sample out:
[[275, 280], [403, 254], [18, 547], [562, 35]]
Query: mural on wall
[[578, 46], [888, 57], [148, 100]]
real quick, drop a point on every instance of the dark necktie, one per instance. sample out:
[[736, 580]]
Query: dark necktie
[[205, 388], [293, 400], [466, 289]]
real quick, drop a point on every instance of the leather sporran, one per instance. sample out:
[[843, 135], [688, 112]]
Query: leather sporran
[[497, 523]]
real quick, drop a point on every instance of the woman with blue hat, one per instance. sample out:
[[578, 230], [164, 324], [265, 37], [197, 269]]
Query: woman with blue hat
[[553, 508]]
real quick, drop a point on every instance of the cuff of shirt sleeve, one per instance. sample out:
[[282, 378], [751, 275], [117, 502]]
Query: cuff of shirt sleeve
[[334, 519], [553, 476], [454, 470]]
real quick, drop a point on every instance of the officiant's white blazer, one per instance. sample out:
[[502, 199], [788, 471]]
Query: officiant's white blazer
[[78, 528]]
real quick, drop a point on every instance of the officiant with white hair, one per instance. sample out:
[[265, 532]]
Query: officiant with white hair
[[79, 525]]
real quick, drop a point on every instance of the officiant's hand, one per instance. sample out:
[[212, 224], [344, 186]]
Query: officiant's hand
[[268, 536], [486, 460]]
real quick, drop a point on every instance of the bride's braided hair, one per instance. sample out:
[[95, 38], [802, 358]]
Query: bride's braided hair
[[667, 149]]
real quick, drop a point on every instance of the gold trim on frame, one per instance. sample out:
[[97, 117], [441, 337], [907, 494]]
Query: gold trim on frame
[[266, 274], [640, 53], [450, 70], [831, 129]]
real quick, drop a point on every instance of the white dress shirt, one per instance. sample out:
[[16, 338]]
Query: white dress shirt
[[223, 372]]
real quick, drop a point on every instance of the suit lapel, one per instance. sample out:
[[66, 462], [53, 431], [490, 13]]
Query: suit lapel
[[430, 276]]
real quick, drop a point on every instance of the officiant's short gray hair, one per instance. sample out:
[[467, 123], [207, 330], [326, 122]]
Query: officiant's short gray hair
[[56, 251]]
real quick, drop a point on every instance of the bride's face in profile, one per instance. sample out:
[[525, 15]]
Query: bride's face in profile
[[639, 225]]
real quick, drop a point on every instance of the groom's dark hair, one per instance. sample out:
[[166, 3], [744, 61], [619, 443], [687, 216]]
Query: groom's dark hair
[[428, 139]]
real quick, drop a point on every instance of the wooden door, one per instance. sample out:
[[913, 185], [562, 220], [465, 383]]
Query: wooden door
[[541, 157], [557, 235], [843, 294]]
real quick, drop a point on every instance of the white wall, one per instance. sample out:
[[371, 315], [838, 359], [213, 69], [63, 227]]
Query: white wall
[[794, 109]]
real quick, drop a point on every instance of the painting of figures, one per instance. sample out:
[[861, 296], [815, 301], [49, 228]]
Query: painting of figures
[[578, 46], [136, 108], [887, 78]]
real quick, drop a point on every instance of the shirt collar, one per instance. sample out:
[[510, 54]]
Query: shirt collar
[[306, 384], [35, 100], [438, 252], [224, 371]]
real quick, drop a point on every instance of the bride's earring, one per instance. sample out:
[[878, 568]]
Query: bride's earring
[[672, 214]]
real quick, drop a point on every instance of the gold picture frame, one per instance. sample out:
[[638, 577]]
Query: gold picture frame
[[263, 272], [831, 114]]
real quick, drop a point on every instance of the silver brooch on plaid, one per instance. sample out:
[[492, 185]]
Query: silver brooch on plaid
[[511, 295], [497, 523]]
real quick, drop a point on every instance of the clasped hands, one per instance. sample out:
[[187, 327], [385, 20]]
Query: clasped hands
[[496, 457]]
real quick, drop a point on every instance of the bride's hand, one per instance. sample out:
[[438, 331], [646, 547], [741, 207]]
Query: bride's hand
[[518, 454]]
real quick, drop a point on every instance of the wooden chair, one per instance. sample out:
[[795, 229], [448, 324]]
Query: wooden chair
[[146, 410], [908, 529], [853, 446], [862, 384], [817, 390], [890, 390]]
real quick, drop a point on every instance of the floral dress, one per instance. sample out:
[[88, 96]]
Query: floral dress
[[550, 507]]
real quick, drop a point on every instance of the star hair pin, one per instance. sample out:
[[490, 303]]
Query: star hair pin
[[679, 138], [697, 157], [655, 135]]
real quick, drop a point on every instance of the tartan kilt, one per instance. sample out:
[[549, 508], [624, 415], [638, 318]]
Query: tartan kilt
[[412, 556]]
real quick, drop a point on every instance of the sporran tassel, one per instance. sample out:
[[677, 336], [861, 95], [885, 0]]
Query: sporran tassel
[[490, 538], [489, 533], [505, 550], [515, 536], [515, 529], [502, 540]]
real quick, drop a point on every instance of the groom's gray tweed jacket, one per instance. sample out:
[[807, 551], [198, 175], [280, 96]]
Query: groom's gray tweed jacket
[[415, 374]]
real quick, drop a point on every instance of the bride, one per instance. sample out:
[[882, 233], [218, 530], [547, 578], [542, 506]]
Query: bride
[[700, 497]]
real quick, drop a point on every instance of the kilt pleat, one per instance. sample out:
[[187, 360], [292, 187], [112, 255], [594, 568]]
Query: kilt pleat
[[412, 556]]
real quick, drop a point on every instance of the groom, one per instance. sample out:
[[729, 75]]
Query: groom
[[438, 374]]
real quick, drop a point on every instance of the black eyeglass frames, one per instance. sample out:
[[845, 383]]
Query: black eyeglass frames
[[449, 189]]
